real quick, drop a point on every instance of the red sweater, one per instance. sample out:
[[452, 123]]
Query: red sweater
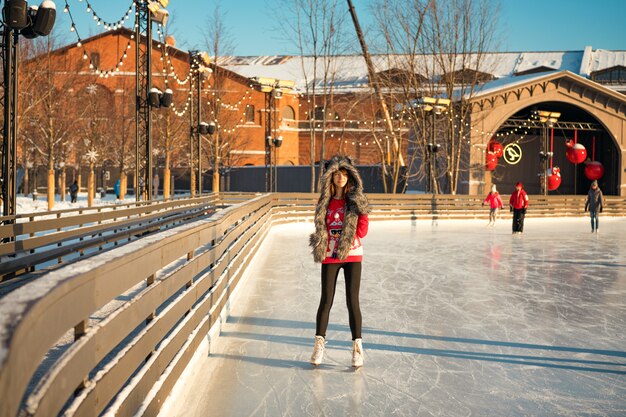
[[494, 200], [334, 225], [519, 199]]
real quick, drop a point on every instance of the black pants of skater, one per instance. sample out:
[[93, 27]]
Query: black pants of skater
[[518, 220], [352, 274]]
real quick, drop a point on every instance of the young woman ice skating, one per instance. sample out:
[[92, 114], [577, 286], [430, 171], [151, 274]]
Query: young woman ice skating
[[495, 203], [340, 223]]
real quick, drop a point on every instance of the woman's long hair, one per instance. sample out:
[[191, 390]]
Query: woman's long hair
[[348, 186]]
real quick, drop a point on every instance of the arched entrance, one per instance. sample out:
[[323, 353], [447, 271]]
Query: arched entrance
[[525, 129], [506, 104]]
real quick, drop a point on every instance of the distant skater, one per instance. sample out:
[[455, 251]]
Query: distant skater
[[340, 223], [117, 188], [74, 191], [518, 203], [595, 204], [495, 203]]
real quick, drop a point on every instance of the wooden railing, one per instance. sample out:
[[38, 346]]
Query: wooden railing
[[36, 238], [112, 333]]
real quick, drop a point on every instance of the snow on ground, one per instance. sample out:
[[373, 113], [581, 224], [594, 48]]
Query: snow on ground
[[459, 320], [25, 204]]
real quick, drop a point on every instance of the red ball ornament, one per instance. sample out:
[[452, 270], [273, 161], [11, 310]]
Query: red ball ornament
[[575, 153], [554, 179], [496, 148], [594, 170], [492, 161]]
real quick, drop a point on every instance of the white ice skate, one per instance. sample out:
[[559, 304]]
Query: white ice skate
[[318, 350], [357, 353]]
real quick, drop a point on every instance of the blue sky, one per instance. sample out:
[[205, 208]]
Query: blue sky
[[536, 25]]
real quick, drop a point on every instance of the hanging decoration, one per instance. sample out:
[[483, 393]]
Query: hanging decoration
[[575, 153], [495, 147], [554, 179], [594, 170], [492, 161]]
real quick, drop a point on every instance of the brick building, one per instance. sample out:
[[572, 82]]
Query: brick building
[[511, 85]]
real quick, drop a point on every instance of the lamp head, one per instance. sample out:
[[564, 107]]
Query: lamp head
[[167, 98], [278, 141], [203, 128], [157, 14], [212, 128], [154, 97], [45, 18]]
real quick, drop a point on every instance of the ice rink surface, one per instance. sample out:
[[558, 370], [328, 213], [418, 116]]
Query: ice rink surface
[[459, 320]]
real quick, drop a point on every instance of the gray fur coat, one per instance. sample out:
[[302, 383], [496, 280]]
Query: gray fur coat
[[356, 203]]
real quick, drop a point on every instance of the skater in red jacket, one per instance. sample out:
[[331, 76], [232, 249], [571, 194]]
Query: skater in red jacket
[[518, 203], [495, 203]]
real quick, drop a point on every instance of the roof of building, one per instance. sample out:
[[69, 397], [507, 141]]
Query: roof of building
[[351, 72]]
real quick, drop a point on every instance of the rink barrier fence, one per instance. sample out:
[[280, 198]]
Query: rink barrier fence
[[57, 357], [37, 238]]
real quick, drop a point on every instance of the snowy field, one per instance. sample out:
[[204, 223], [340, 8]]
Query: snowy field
[[25, 204], [459, 320]]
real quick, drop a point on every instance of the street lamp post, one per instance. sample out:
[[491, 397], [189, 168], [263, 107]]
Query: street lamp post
[[146, 11], [436, 106], [548, 119], [198, 62], [17, 18], [273, 90]]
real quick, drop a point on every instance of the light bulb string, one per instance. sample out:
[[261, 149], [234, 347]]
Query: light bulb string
[[100, 21], [88, 56], [167, 62]]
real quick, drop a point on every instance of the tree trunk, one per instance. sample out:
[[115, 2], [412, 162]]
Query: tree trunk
[[62, 184], [216, 165], [166, 181], [25, 190], [166, 172], [50, 189], [90, 187], [123, 185], [381, 101]]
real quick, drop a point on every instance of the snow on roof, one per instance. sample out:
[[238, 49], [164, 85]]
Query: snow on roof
[[508, 82], [603, 59], [569, 61], [351, 71]]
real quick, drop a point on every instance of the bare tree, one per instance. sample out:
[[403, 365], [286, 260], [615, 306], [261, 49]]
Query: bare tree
[[437, 49], [123, 140], [226, 107], [320, 36], [47, 104]]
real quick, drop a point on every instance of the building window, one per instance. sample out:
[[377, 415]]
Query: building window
[[95, 59], [330, 115], [249, 113], [289, 113], [614, 75]]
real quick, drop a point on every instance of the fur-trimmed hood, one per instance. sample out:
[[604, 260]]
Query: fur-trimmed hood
[[356, 203]]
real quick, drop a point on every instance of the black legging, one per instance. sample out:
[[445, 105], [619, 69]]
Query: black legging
[[352, 274]]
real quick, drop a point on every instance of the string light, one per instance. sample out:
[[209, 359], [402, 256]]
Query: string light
[[100, 21], [86, 55], [169, 64]]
